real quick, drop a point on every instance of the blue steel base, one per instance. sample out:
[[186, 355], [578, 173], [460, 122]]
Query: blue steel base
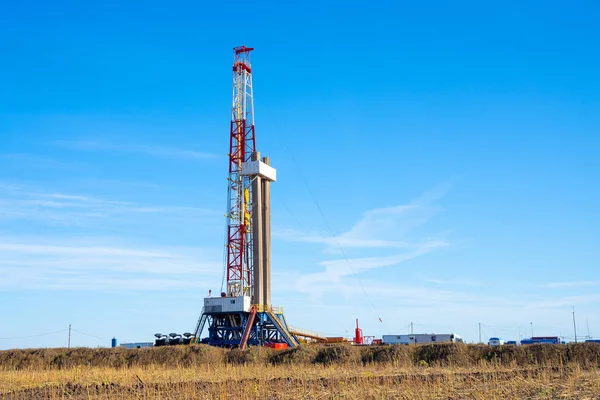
[[226, 329]]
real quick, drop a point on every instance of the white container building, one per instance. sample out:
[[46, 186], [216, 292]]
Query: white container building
[[137, 345], [227, 304], [421, 338]]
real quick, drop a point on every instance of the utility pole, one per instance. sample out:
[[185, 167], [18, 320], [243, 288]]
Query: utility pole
[[531, 324], [574, 325], [411, 328], [588, 327], [480, 332], [69, 343]]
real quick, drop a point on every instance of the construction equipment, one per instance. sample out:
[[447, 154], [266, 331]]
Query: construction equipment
[[358, 337], [242, 315]]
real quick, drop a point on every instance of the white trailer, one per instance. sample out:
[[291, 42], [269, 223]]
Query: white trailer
[[421, 338], [137, 345]]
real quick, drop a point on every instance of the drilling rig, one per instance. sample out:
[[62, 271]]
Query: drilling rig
[[243, 315]]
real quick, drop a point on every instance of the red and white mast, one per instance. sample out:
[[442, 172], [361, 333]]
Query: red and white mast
[[242, 144]]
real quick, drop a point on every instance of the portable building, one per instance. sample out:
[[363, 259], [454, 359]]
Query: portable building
[[421, 338]]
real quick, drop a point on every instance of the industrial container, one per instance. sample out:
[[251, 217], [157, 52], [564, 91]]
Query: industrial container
[[175, 338], [137, 345], [543, 340], [336, 339], [277, 346], [113, 343], [187, 338], [226, 304], [421, 338]]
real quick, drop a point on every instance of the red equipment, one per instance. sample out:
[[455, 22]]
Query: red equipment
[[358, 338]]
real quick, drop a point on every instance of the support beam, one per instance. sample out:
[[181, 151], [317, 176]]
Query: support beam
[[257, 235], [266, 241]]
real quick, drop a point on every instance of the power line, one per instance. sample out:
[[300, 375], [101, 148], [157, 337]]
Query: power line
[[32, 336], [499, 329], [430, 325], [87, 334], [225, 248], [289, 211], [53, 333], [334, 236]]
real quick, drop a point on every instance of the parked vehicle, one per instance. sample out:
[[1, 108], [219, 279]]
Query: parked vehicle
[[511, 342], [543, 340], [421, 338], [494, 341]]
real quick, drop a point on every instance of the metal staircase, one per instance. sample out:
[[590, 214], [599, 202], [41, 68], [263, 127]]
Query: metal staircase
[[287, 336], [199, 327]]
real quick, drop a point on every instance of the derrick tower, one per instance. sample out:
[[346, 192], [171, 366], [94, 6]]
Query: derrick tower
[[243, 313], [242, 144]]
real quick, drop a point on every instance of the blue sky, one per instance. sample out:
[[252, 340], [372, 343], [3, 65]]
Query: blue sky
[[452, 148]]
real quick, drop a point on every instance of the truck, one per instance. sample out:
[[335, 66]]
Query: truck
[[421, 338], [494, 341]]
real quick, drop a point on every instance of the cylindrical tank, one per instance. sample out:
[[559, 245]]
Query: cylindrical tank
[[113, 342], [358, 339]]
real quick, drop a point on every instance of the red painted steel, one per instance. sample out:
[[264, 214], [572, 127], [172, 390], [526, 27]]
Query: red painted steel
[[248, 328], [241, 145], [358, 339]]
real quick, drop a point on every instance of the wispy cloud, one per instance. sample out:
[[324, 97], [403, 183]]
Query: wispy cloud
[[23, 202], [385, 229], [32, 160], [570, 284], [379, 228], [566, 301], [397, 292], [455, 282], [40, 264], [331, 280], [347, 241], [150, 150], [347, 266]]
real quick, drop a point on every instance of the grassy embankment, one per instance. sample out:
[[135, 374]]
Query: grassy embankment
[[310, 372]]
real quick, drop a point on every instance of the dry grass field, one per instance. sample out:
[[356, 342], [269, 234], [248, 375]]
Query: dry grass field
[[319, 372]]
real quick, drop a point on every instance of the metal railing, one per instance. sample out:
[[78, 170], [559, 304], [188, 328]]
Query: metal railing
[[263, 308], [307, 333]]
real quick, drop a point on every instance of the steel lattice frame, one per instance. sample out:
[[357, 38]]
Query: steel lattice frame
[[225, 329], [241, 145]]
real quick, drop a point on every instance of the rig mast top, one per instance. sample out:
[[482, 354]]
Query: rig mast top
[[242, 144]]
